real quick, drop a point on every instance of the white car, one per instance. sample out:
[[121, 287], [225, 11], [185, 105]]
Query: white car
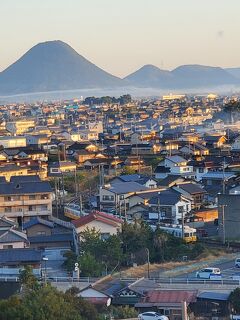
[[237, 263], [151, 315], [209, 273]]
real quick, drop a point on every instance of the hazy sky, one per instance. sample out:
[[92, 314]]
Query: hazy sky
[[122, 35]]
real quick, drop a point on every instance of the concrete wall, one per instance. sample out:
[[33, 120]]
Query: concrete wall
[[230, 205]]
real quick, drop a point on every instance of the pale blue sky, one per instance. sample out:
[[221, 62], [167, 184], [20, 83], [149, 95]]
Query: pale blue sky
[[122, 35]]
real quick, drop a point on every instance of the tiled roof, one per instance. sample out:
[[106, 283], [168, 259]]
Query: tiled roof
[[98, 216], [20, 187], [8, 256], [171, 296], [37, 220]]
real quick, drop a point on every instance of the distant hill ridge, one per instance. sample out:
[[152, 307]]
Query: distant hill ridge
[[55, 66]]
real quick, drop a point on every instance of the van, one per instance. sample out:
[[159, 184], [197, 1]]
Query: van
[[237, 262], [209, 273]]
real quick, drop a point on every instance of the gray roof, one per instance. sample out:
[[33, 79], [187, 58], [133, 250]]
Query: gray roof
[[12, 235], [191, 188], [18, 179], [11, 188], [51, 238], [11, 256], [166, 197], [170, 179], [126, 187], [6, 223], [211, 295], [218, 175], [176, 159], [37, 220]]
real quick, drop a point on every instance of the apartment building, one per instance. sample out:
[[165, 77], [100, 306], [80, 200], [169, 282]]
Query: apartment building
[[25, 197], [12, 142], [19, 127]]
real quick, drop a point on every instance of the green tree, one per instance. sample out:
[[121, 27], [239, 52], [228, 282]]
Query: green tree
[[45, 303], [89, 266], [128, 170], [71, 259], [160, 239], [234, 299], [85, 308], [28, 279]]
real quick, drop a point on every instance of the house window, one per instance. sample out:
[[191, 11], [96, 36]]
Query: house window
[[32, 197], [8, 209], [180, 209], [44, 196], [105, 236], [32, 208], [7, 246], [7, 198], [41, 233], [108, 198], [121, 197], [44, 207]]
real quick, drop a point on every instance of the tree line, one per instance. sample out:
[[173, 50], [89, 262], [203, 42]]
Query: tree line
[[124, 99], [99, 256]]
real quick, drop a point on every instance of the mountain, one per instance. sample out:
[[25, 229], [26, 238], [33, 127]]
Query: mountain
[[186, 77], [234, 72], [150, 76], [52, 66]]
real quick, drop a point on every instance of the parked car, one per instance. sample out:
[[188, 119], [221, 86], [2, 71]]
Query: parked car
[[151, 315], [237, 263], [209, 273]]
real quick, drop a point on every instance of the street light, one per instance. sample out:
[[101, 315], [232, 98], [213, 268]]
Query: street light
[[45, 259]]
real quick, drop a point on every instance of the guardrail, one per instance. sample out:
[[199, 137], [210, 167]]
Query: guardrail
[[188, 281], [9, 278]]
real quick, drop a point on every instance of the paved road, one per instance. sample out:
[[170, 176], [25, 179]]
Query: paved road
[[227, 269]]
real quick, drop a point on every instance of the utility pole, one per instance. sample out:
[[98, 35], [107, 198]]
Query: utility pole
[[182, 224], [148, 263], [184, 311], [159, 212], [223, 223], [224, 176]]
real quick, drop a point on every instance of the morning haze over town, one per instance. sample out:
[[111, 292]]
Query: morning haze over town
[[120, 160]]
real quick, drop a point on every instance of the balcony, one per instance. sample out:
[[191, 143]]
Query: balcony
[[14, 203]]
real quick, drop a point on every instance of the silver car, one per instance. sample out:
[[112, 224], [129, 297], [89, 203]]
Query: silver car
[[151, 315]]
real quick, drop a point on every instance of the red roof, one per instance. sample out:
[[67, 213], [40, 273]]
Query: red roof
[[170, 296], [98, 216]]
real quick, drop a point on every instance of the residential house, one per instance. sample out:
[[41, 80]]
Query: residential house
[[134, 162], [216, 182], [43, 233], [19, 127], [95, 296], [12, 239], [115, 196], [10, 170], [37, 140], [169, 206], [139, 178], [60, 167], [106, 224], [12, 142], [167, 302], [212, 304], [192, 191], [18, 258], [194, 150], [215, 141], [24, 197]]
